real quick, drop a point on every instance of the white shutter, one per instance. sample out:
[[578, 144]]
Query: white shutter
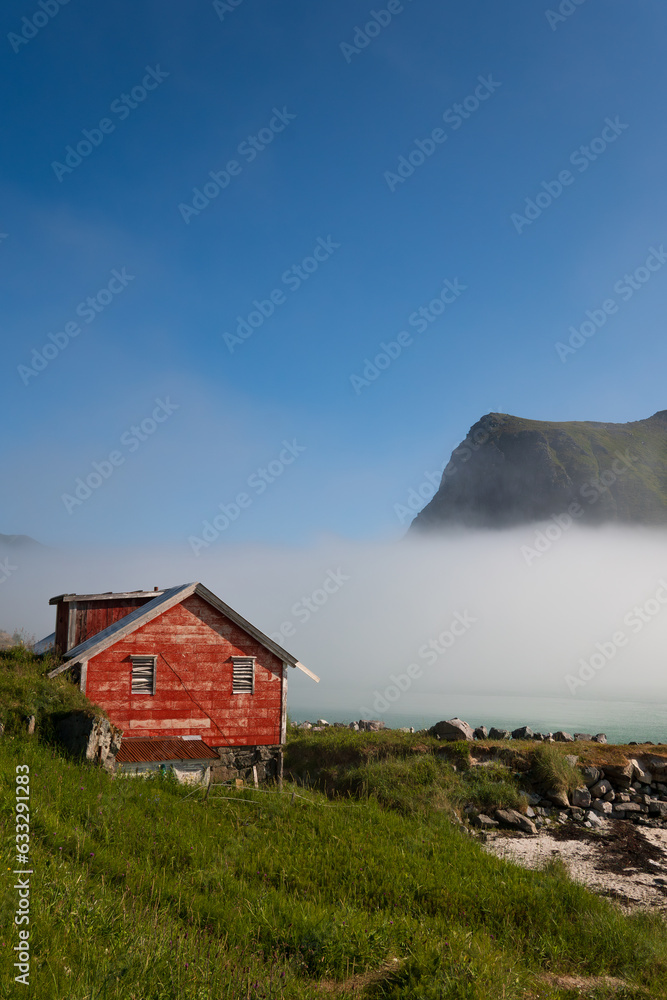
[[143, 674], [244, 675]]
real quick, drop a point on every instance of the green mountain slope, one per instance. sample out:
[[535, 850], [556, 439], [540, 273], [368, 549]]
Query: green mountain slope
[[509, 470]]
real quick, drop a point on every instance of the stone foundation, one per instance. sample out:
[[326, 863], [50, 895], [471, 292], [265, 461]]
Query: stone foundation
[[92, 737], [238, 762]]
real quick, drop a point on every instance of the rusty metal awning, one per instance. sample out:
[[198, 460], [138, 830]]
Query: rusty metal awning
[[140, 751]]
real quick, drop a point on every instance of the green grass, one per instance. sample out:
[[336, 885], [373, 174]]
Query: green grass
[[551, 770], [25, 690], [144, 891]]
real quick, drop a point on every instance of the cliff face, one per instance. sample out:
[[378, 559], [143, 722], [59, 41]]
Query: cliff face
[[513, 471]]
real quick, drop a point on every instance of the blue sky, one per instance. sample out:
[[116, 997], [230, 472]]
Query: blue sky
[[338, 121]]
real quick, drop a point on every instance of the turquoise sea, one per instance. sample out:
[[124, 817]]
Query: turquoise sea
[[622, 722]]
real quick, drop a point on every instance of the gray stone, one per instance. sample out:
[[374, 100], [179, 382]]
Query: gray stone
[[523, 733], [322, 722], [354, 726], [640, 773], [581, 797], [452, 729], [572, 759], [534, 798], [594, 819], [499, 734], [92, 737], [632, 807], [610, 796], [583, 737], [601, 788], [371, 725], [599, 738], [538, 737], [561, 737], [603, 807], [515, 820], [530, 812], [481, 733], [484, 821], [305, 725], [559, 798], [591, 775], [656, 808], [620, 774]]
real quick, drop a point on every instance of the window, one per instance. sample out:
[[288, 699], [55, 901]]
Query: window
[[244, 675], [143, 674]]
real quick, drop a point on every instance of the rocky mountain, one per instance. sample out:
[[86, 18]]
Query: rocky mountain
[[509, 471]]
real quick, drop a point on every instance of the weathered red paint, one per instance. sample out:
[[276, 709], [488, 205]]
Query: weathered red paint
[[194, 644], [78, 620]]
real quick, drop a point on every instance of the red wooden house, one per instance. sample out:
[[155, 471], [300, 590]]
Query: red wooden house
[[181, 664]]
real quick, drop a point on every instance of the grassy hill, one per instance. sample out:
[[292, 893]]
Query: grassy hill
[[143, 890], [510, 470]]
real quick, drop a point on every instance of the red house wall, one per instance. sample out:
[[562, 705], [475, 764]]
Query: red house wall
[[91, 617], [193, 642]]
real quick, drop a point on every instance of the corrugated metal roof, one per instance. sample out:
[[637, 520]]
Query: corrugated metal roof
[[138, 751]]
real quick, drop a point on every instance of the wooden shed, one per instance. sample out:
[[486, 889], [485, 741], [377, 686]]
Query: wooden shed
[[179, 664]]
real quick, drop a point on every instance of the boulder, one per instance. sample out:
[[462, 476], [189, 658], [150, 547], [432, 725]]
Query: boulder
[[604, 807], [499, 734], [322, 723], [524, 733], [591, 775], [371, 725], [481, 733], [559, 798], [572, 759], [594, 818], [657, 808], [561, 737], [640, 773], [599, 738], [581, 798], [583, 737], [601, 788], [452, 729], [305, 725], [620, 774], [515, 820], [484, 821]]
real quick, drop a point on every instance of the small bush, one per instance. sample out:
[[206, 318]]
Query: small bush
[[550, 769]]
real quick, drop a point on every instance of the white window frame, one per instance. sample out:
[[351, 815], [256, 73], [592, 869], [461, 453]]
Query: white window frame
[[237, 682], [141, 660]]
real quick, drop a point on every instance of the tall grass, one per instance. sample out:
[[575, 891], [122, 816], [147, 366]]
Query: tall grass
[[142, 891]]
